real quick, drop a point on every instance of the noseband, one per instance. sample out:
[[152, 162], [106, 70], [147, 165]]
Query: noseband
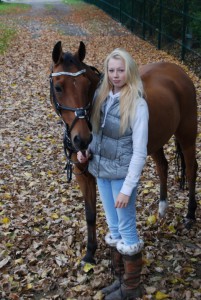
[[80, 113]]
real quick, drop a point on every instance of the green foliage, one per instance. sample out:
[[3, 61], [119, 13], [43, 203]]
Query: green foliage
[[6, 35], [196, 25], [73, 2], [9, 8]]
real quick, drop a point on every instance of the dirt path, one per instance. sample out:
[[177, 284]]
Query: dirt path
[[42, 219]]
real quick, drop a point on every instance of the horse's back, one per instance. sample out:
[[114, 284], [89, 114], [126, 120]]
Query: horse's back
[[171, 98]]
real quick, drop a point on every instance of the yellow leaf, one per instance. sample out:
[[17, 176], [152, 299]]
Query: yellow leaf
[[54, 216], [179, 205], [37, 229], [5, 220], [29, 286], [145, 191], [49, 173], [88, 267], [50, 116], [146, 261], [28, 139], [171, 228], [7, 196], [149, 184], [159, 296], [65, 218], [28, 157], [19, 261], [174, 280], [193, 259], [151, 220]]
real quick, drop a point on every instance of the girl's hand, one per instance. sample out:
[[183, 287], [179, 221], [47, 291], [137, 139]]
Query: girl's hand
[[81, 157], [122, 200]]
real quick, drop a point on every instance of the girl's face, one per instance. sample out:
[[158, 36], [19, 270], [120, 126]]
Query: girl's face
[[117, 73]]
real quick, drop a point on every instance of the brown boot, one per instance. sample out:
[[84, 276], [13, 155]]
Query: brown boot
[[130, 288], [118, 269], [117, 265]]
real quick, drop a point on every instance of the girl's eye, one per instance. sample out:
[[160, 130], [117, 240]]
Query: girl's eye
[[58, 89]]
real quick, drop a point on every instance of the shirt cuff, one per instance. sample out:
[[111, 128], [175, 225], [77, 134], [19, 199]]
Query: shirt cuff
[[126, 189]]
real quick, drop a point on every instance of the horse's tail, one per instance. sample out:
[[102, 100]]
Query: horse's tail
[[181, 166]]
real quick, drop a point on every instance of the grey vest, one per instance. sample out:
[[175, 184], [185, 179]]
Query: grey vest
[[111, 152]]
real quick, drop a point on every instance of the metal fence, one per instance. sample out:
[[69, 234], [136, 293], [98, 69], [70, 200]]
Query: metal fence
[[172, 25]]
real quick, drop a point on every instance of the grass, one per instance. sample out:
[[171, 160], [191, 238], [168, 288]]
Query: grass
[[10, 8], [6, 36], [73, 2], [6, 33]]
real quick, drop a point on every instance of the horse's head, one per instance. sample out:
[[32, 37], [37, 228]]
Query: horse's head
[[73, 84]]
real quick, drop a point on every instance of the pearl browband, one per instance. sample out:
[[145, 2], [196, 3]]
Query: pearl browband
[[68, 73]]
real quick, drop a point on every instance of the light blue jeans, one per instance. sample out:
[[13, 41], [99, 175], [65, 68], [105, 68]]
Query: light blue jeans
[[121, 221]]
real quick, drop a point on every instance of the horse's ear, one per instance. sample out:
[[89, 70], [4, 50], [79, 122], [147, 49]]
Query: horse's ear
[[81, 52], [57, 53]]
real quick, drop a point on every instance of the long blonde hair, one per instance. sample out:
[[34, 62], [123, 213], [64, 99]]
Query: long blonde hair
[[129, 94]]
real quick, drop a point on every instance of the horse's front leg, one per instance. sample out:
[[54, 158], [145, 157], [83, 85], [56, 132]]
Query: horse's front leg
[[87, 185], [162, 170]]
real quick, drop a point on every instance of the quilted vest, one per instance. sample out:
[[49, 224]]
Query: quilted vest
[[111, 151]]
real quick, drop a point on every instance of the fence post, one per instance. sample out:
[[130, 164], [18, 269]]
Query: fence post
[[185, 11], [160, 24], [120, 18], [143, 21]]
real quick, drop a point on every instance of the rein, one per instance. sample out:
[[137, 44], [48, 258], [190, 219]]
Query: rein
[[80, 113]]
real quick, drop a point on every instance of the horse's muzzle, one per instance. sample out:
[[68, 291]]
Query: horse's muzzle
[[81, 144]]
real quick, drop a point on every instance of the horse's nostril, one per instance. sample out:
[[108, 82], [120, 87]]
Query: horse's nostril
[[77, 140], [82, 144]]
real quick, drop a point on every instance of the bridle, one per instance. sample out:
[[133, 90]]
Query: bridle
[[80, 113]]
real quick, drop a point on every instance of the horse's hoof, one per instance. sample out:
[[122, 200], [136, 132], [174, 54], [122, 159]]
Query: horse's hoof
[[162, 208], [188, 223], [87, 260]]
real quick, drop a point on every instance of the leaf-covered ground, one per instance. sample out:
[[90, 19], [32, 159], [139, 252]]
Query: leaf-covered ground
[[42, 219]]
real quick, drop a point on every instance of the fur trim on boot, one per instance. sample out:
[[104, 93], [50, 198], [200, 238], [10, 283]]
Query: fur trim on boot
[[110, 241], [131, 249]]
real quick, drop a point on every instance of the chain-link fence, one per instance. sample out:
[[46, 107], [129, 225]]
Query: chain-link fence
[[172, 25]]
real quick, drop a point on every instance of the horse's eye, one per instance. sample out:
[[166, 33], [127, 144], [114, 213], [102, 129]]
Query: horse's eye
[[58, 89]]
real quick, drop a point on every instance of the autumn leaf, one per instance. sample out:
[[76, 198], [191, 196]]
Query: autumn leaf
[[159, 296], [88, 267], [5, 220], [151, 220]]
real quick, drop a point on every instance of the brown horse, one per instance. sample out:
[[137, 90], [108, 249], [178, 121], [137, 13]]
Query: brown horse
[[171, 98]]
